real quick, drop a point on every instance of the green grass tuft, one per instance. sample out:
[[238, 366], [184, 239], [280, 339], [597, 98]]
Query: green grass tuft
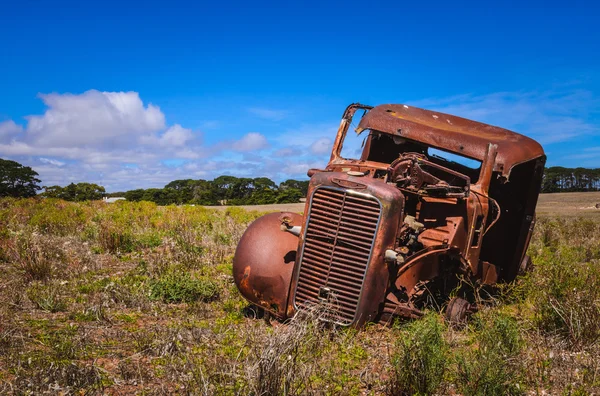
[[420, 358], [177, 287]]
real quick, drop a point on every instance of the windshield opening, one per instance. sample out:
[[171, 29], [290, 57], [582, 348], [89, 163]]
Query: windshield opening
[[385, 148]]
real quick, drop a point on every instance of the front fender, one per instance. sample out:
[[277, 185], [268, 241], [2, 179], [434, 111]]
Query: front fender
[[264, 262]]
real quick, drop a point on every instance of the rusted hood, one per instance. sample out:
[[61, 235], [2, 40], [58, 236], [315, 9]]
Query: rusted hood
[[452, 133]]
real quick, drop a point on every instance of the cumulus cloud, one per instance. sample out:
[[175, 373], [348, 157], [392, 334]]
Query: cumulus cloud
[[93, 118], [250, 142], [9, 128], [321, 146], [175, 136], [112, 138]]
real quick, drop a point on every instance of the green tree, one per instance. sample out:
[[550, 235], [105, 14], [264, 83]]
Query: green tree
[[75, 192], [115, 194], [204, 193], [184, 189], [560, 179], [224, 187], [161, 196], [289, 195], [17, 180], [301, 185], [53, 192], [262, 191], [134, 195], [88, 191]]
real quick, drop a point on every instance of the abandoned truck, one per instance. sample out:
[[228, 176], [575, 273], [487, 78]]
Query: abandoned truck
[[430, 200]]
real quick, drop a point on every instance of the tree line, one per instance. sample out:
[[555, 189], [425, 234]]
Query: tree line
[[223, 190], [17, 180], [559, 179]]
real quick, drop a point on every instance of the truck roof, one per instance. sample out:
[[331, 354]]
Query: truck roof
[[451, 133]]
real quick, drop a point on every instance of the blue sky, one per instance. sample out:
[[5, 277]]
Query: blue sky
[[139, 94]]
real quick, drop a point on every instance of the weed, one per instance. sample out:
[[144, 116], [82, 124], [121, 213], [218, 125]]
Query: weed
[[115, 238], [91, 313], [130, 290], [133, 370], [563, 291], [63, 343], [159, 341], [420, 358], [492, 366], [49, 377], [56, 217], [36, 257], [242, 216], [144, 340], [284, 365], [176, 286], [47, 297]]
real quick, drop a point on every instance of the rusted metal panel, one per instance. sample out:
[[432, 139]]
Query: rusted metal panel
[[367, 215], [264, 262], [339, 240], [456, 134]]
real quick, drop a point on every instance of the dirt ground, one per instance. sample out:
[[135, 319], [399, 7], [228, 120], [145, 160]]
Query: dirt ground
[[557, 204]]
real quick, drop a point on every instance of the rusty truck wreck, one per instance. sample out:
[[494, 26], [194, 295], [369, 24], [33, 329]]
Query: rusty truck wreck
[[383, 233]]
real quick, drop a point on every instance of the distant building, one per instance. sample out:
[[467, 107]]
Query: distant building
[[113, 199]]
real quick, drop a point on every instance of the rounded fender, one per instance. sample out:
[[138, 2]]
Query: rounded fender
[[264, 262]]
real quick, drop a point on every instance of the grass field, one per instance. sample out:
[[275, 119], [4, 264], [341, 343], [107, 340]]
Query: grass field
[[134, 298], [579, 204]]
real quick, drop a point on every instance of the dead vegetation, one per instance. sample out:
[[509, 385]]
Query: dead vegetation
[[133, 298]]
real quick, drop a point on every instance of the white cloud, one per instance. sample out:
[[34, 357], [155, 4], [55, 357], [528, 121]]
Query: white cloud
[[175, 136], [300, 169], [549, 116], [286, 152], [321, 146], [305, 135], [52, 162], [111, 138], [250, 142], [9, 128], [268, 114], [93, 118]]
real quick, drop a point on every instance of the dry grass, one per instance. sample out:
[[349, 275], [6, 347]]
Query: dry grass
[[134, 298], [577, 204]]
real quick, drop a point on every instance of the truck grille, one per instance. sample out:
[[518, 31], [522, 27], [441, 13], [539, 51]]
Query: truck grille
[[337, 250]]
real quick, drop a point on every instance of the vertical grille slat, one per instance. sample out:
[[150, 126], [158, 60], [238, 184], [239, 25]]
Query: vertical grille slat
[[338, 243]]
